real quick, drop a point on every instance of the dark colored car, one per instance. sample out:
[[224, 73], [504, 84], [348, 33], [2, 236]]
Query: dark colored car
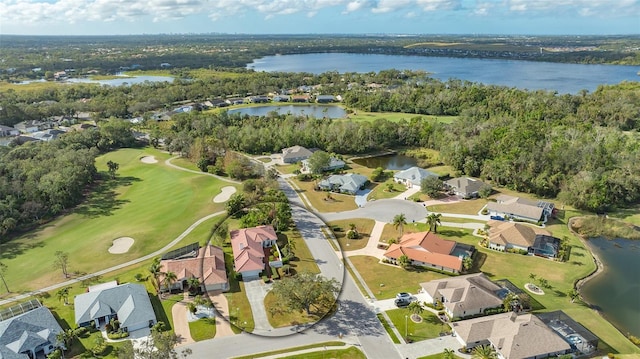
[[401, 302]]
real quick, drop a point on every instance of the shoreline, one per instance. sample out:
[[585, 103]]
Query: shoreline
[[582, 281]]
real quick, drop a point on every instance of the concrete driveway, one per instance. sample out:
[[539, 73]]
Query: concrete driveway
[[256, 290], [382, 210]]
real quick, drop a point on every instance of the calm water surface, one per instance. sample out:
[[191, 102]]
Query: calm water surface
[[564, 78], [616, 291], [310, 110], [393, 162]]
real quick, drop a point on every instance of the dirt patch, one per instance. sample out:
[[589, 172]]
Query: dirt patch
[[121, 245], [148, 159], [225, 194]]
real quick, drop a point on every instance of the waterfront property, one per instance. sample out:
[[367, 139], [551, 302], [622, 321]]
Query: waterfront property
[[325, 99], [192, 261], [349, 183], [412, 177], [28, 330], [511, 335], [427, 249], [464, 296], [128, 303], [255, 250], [520, 208], [579, 338], [464, 187], [504, 236]]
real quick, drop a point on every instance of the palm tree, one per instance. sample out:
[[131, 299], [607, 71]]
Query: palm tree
[[65, 337], [194, 285], [63, 294], [484, 352], [532, 276], [573, 295], [169, 279], [415, 309], [448, 353], [399, 221], [404, 261], [467, 263], [433, 220], [154, 269]]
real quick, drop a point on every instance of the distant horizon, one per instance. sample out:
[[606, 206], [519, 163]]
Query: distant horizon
[[327, 34], [271, 17]]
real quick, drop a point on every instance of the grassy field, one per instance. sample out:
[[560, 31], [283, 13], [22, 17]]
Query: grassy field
[[397, 116], [291, 350], [203, 329], [429, 328], [339, 202], [151, 203], [363, 226], [288, 169], [387, 280]]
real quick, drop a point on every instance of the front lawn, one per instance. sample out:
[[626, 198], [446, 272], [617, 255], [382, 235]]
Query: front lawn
[[429, 328], [203, 329], [363, 226], [381, 190], [325, 201], [472, 207], [387, 280]]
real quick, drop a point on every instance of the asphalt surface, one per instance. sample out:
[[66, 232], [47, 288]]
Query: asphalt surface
[[382, 210]]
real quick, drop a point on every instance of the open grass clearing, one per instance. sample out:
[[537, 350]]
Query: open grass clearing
[[429, 328], [364, 227], [472, 207], [203, 329], [337, 202], [288, 169], [387, 280], [460, 220], [359, 115], [381, 190], [152, 204]]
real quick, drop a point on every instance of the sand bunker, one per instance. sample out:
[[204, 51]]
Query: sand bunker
[[121, 245], [148, 159], [225, 194]]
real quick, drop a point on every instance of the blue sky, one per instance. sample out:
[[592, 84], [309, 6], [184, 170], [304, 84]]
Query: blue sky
[[105, 17]]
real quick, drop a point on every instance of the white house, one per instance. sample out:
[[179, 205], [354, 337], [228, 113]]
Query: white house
[[412, 177]]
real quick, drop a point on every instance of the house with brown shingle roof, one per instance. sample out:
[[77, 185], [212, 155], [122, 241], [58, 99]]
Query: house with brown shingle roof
[[510, 235], [205, 263], [427, 249], [464, 295], [464, 187], [512, 335], [252, 248]]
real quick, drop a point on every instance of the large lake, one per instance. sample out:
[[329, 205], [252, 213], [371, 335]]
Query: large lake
[[616, 291], [564, 78]]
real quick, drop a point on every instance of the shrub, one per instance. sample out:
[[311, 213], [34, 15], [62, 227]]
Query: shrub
[[265, 279], [117, 335], [81, 331], [485, 211], [139, 277], [351, 234]]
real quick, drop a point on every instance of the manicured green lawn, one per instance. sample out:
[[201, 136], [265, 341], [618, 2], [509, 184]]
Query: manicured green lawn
[[440, 356], [460, 220], [464, 207], [363, 226], [288, 169], [349, 353], [152, 203], [390, 232], [387, 328], [429, 328], [291, 350], [397, 116], [380, 190], [185, 163], [387, 280], [337, 203], [203, 329]]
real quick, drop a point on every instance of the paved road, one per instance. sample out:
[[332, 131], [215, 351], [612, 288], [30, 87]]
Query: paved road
[[382, 210]]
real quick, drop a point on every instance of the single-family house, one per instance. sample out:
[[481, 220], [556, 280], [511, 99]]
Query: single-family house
[[579, 338], [259, 99], [215, 103], [427, 249], [235, 101], [280, 98], [165, 65], [412, 177], [464, 187], [349, 183], [129, 303], [47, 135], [465, 295], [255, 250], [6, 131], [510, 235], [295, 154], [512, 336], [520, 208], [205, 263], [325, 99], [300, 99], [30, 126], [334, 164], [30, 333]]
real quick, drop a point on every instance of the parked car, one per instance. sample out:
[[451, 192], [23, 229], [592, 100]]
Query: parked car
[[401, 302], [403, 295]]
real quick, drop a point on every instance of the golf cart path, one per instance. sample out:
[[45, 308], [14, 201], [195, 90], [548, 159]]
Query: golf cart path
[[168, 163], [116, 267]]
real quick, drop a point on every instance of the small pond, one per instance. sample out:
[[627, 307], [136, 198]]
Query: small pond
[[317, 111], [390, 162]]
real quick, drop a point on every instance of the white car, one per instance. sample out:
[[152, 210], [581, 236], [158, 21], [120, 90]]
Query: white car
[[404, 295]]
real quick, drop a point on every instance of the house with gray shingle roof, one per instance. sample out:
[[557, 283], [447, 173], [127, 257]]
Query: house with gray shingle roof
[[349, 183], [128, 303], [412, 177], [31, 334], [512, 335], [295, 154], [464, 187]]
